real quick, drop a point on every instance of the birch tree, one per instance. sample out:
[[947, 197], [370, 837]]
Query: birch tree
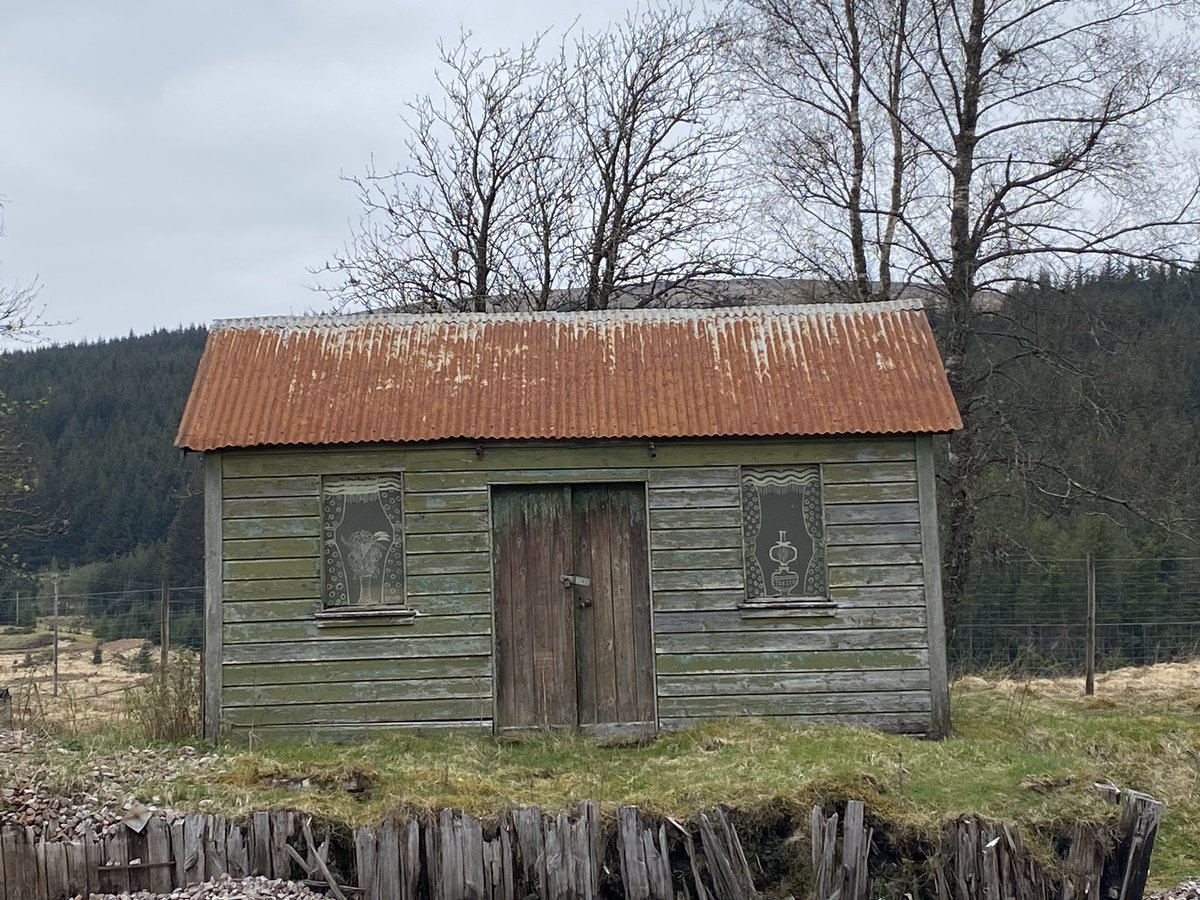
[[1022, 136]]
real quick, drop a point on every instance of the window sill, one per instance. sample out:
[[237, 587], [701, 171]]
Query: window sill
[[348, 616], [813, 608]]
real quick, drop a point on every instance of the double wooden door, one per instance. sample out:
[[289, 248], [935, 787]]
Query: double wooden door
[[572, 605]]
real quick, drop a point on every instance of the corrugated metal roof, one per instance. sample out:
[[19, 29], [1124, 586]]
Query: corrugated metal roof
[[821, 369]]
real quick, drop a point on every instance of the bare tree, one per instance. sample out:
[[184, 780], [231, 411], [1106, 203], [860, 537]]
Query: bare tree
[[649, 101], [440, 232], [1023, 136], [596, 174]]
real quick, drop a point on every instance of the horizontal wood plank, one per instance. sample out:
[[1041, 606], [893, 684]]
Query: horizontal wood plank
[[793, 682], [663, 560], [358, 670], [671, 519], [309, 629], [457, 542], [871, 492], [681, 601], [857, 473], [446, 522], [795, 704], [706, 476], [896, 723], [418, 480], [275, 589], [463, 456], [785, 641], [270, 569], [305, 526], [344, 649], [888, 595], [694, 498], [684, 622], [447, 585], [270, 507], [873, 533], [797, 661], [317, 714], [696, 539], [354, 731], [272, 548], [374, 689], [277, 486], [697, 579], [446, 501], [873, 554], [449, 563], [872, 513], [873, 576]]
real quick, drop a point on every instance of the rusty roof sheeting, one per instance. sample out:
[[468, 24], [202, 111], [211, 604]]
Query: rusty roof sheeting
[[822, 369]]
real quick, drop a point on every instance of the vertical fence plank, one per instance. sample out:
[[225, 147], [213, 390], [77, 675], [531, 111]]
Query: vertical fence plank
[[1089, 687], [158, 850], [364, 862], [235, 852], [193, 849], [178, 853], [215, 837], [260, 844]]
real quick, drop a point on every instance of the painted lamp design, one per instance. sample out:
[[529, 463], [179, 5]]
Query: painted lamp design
[[783, 579]]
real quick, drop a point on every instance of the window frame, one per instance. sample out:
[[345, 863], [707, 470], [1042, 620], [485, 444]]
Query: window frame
[[401, 611], [814, 604]]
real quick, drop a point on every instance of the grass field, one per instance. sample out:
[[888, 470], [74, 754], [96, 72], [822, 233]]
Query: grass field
[[1027, 752], [1023, 751]]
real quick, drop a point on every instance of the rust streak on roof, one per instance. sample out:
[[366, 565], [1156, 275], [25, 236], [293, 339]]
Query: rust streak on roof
[[821, 369]]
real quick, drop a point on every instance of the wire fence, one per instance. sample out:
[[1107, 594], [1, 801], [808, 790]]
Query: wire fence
[[1024, 616], [1030, 616], [109, 615]]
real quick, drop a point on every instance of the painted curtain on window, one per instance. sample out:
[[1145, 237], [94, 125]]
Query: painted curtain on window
[[783, 530], [362, 525]]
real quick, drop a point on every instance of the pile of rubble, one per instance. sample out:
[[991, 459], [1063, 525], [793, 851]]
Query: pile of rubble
[[105, 786], [224, 888], [1188, 890]]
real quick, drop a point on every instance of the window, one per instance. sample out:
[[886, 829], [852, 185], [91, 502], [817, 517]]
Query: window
[[362, 533], [783, 531]]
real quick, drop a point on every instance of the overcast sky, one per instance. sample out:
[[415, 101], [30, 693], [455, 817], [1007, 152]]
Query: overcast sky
[[170, 162]]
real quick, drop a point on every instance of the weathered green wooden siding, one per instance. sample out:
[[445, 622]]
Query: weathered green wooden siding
[[287, 672]]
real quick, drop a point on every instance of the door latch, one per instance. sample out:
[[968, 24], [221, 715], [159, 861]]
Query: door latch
[[578, 581]]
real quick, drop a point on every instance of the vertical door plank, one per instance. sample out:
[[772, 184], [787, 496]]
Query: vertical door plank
[[558, 610], [639, 586], [598, 512], [625, 677], [535, 641], [585, 618]]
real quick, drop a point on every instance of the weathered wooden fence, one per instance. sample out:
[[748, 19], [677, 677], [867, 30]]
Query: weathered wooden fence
[[573, 855]]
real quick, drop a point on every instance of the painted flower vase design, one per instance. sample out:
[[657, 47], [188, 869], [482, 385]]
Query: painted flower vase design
[[783, 579], [364, 556]]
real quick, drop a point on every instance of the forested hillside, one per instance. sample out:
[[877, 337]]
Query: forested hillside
[[99, 420], [1088, 413]]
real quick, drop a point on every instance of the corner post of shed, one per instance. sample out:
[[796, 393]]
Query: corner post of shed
[[213, 614], [931, 560]]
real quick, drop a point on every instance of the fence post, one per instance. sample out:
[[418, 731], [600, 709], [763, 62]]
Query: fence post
[[164, 630], [1089, 684], [57, 578]]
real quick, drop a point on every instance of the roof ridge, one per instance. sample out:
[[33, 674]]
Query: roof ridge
[[780, 310]]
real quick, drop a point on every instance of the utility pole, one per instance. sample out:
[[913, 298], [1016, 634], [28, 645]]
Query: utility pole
[[164, 631], [1089, 677], [56, 578]]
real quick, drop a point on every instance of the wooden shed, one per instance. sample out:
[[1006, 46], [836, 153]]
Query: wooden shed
[[617, 522]]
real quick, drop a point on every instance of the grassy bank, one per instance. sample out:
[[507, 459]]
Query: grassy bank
[[1025, 752]]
